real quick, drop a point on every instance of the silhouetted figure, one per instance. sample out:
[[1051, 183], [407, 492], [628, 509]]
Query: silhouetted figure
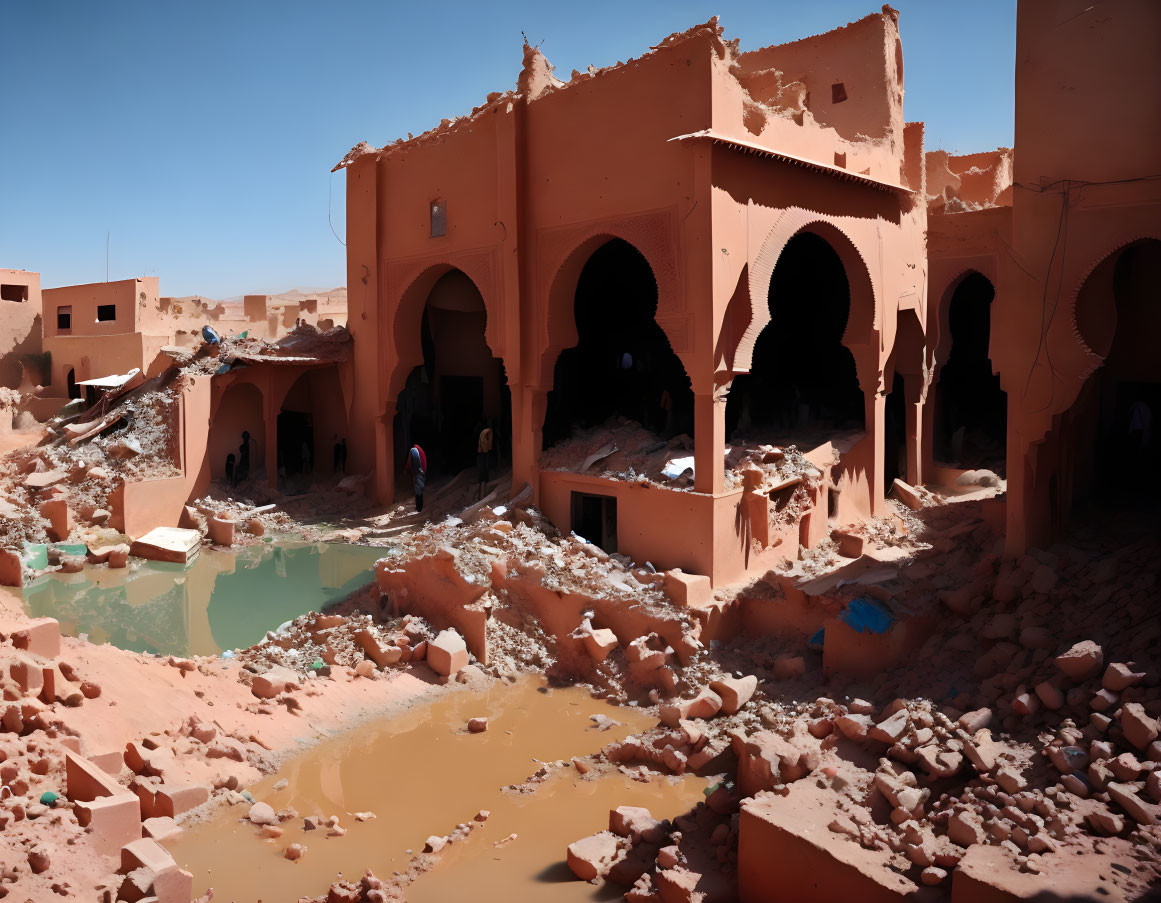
[[306, 456], [417, 464], [339, 460], [483, 457], [230, 468], [242, 471]]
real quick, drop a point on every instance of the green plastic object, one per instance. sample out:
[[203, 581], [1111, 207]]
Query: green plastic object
[[35, 555], [317, 665], [48, 798]]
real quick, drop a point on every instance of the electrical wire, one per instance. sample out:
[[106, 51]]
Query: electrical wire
[[330, 190]]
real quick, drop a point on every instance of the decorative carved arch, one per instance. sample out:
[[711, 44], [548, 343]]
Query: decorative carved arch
[[940, 347], [563, 253], [1093, 360], [403, 330], [863, 317]]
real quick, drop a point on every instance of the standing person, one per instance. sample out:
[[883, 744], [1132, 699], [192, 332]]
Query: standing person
[[230, 468], [417, 464], [483, 457], [242, 471], [339, 460]]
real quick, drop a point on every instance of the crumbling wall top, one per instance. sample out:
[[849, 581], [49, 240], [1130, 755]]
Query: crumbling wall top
[[968, 182]]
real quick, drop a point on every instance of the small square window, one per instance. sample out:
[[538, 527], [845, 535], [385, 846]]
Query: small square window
[[106, 312], [64, 318], [840, 159], [13, 292], [838, 92], [438, 219]]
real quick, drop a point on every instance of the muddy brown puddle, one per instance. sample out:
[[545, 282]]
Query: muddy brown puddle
[[422, 773]]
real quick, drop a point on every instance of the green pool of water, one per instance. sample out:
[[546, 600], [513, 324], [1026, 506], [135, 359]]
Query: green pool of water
[[223, 600]]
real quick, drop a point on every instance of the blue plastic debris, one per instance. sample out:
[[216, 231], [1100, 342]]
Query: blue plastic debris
[[867, 616], [815, 642], [210, 336]]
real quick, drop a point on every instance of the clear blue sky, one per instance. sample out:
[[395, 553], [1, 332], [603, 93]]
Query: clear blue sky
[[201, 135]]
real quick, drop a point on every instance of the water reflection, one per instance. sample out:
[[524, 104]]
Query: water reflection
[[223, 600]]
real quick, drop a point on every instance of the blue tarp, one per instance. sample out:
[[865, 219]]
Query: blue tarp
[[867, 616]]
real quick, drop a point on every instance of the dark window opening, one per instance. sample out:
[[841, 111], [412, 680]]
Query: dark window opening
[[13, 292], [622, 364], [832, 502], [802, 385], [594, 517], [840, 159], [64, 318], [73, 388], [838, 92], [106, 312], [438, 219], [971, 410]]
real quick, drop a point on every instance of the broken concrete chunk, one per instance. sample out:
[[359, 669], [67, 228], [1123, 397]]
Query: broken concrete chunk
[[1119, 677], [1140, 730], [592, 857], [447, 654], [599, 643], [262, 814], [273, 682], [636, 823], [168, 544], [735, 692], [1082, 661], [891, 729]]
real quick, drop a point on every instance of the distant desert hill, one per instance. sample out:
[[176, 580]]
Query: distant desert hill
[[329, 298]]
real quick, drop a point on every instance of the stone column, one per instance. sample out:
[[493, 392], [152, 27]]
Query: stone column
[[709, 442], [528, 407], [876, 409], [914, 393]]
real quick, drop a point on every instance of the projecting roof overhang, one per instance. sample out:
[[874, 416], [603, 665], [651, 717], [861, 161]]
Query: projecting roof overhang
[[748, 147]]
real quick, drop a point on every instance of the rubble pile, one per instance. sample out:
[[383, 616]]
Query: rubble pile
[[555, 602], [1007, 733], [311, 644], [67, 481], [622, 449]]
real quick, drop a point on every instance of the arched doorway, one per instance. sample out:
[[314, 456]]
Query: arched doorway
[[622, 363], [971, 410], [239, 411], [1111, 431], [311, 421], [460, 388], [803, 382]]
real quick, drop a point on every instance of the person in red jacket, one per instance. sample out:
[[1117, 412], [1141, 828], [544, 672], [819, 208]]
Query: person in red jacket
[[417, 464]]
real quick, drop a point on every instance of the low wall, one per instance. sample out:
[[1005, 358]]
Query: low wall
[[138, 507], [702, 534], [668, 528]]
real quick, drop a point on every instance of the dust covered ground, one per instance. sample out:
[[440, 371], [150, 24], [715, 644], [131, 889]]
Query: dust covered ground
[[1008, 744], [1016, 748]]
